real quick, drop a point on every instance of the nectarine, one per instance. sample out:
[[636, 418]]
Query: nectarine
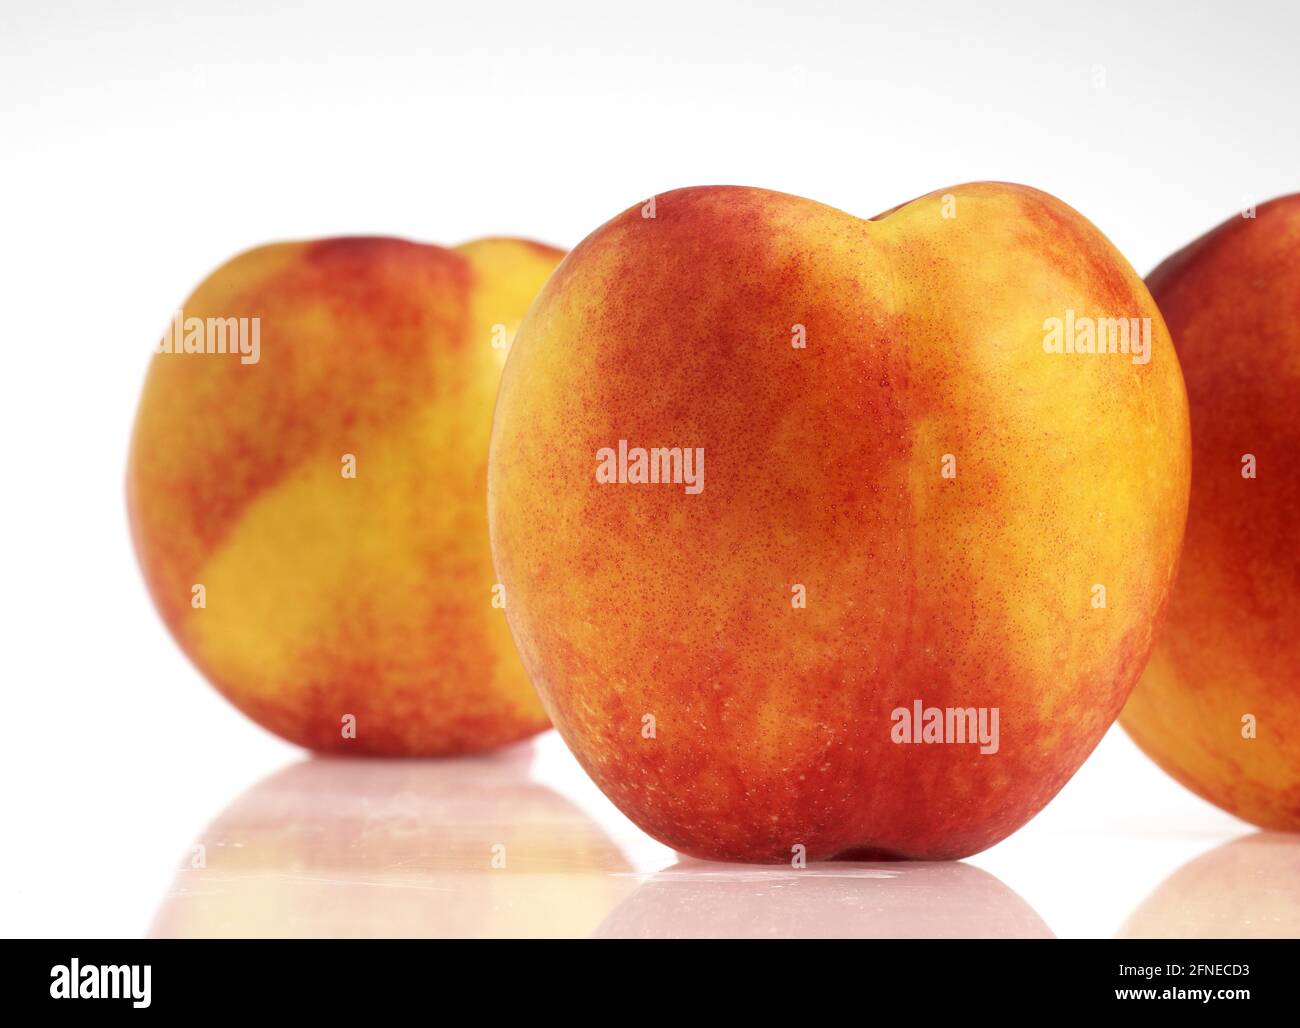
[[947, 470], [1219, 704], [306, 488]]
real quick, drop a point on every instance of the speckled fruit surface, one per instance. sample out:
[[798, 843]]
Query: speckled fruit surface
[[917, 504]]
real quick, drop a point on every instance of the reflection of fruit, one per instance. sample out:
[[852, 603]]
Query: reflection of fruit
[[1245, 889], [824, 901], [1219, 705], [331, 848], [328, 596], [828, 479]]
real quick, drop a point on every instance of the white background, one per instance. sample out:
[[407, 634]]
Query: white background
[[142, 145]]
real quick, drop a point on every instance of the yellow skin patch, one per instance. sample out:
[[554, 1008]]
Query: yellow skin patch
[[329, 595]]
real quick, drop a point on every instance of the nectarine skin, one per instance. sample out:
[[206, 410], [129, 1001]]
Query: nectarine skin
[[663, 629], [1219, 704], [347, 613]]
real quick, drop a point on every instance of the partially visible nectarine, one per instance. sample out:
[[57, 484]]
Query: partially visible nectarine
[[1219, 704]]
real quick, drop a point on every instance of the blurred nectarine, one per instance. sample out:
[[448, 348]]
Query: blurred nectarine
[[306, 490]]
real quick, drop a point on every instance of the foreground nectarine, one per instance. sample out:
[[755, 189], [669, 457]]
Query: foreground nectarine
[[1219, 704], [830, 537], [307, 490]]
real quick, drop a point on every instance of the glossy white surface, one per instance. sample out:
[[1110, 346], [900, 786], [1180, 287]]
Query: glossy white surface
[[521, 844]]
